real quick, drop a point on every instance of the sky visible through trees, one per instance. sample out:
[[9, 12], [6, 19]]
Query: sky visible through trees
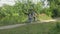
[[12, 2]]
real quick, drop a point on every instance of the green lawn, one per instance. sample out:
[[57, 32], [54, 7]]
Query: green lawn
[[42, 28]]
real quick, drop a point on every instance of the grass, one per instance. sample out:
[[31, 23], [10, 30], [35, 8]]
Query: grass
[[12, 20], [44, 17], [42, 28]]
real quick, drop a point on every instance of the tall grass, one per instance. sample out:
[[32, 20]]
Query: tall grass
[[13, 20]]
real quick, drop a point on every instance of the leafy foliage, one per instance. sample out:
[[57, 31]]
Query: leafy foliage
[[55, 6], [17, 12]]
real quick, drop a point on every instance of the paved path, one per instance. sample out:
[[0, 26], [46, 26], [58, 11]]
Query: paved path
[[18, 25]]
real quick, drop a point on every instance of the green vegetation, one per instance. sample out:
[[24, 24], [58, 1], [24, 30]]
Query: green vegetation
[[12, 20], [15, 14], [43, 17], [42, 28], [55, 7]]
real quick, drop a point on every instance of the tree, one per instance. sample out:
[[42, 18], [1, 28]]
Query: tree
[[54, 6]]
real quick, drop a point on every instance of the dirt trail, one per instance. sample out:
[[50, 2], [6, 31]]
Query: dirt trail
[[11, 26], [18, 25]]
